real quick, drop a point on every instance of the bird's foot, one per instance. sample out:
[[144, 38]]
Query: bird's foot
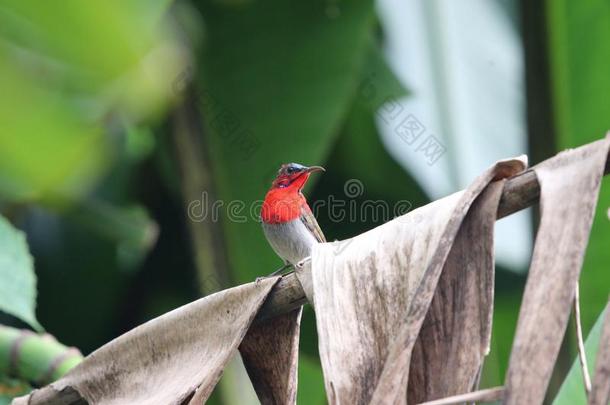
[[275, 273]]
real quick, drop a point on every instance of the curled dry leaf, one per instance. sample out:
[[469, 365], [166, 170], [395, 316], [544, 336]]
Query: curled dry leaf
[[372, 294], [456, 333], [270, 353], [165, 361], [569, 186]]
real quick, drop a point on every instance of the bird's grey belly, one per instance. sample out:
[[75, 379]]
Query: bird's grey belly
[[291, 240]]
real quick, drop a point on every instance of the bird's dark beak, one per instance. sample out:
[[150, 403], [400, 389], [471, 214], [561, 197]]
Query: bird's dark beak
[[312, 169]]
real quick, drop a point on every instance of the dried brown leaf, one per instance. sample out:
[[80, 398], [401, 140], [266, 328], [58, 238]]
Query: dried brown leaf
[[456, 332], [569, 186], [486, 395], [270, 353], [393, 383], [165, 360], [360, 297], [364, 287]]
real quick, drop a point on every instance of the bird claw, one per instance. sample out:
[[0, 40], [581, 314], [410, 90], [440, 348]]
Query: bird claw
[[275, 273], [279, 271]]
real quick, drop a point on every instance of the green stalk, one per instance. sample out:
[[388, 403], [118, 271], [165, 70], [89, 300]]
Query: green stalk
[[36, 358]]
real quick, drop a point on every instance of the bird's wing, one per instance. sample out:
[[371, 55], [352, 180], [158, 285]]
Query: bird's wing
[[312, 225]]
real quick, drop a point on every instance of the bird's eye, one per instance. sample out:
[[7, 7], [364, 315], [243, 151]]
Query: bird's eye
[[290, 170]]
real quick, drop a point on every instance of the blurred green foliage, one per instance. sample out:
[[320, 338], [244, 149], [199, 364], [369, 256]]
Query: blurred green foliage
[[90, 171], [67, 73], [18, 281]]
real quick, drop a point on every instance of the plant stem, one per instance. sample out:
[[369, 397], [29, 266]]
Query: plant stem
[[37, 358]]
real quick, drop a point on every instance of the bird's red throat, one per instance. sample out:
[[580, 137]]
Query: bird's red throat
[[284, 203]]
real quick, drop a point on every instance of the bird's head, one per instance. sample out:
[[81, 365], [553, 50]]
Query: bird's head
[[293, 176], [284, 200]]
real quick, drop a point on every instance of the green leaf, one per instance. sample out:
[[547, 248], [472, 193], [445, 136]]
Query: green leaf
[[580, 56], [17, 278], [311, 382], [572, 391], [277, 79]]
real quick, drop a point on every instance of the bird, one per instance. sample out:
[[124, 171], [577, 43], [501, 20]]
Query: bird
[[288, 223]]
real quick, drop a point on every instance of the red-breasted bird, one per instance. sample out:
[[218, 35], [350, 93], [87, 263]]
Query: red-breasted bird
[[288, 222]]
